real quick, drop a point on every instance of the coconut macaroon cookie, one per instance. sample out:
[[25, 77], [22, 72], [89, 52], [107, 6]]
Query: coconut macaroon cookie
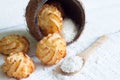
[[49, 19], [18, 65], [14, 43], [51, 49]]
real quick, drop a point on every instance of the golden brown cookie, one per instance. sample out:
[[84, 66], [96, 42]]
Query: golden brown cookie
[[18, 65], [50, 19], [13, 43], [51, 49]]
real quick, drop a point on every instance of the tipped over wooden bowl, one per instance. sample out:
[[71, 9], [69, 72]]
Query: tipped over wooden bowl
[[71, 8]]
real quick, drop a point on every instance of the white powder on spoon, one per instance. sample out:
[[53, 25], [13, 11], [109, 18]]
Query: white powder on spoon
[[72, 64], [69, 30]]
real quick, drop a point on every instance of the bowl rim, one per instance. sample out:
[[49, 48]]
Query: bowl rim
[[40, 3]]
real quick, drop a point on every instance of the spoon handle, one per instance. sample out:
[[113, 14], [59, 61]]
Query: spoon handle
[[85, 54]]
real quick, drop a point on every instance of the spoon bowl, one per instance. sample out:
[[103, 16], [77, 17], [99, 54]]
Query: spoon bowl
[[66, 68]]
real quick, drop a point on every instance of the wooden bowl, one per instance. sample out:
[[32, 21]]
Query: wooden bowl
[[72, 9]]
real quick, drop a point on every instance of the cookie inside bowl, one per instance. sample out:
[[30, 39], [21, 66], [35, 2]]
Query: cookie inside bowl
[[72, 13]]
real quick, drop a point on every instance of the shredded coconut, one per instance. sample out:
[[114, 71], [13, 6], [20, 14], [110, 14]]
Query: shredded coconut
[[69, 30], [72, 64]]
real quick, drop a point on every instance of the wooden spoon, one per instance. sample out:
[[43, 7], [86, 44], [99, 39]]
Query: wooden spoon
[[66, 66]]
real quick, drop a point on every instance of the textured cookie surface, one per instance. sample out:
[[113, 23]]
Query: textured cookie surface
[[51, 49], [18, 65], [14, 43], [49, 19]]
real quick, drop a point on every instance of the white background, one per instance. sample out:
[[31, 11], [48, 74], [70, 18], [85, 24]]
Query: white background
[[12, 12], [103, 14]]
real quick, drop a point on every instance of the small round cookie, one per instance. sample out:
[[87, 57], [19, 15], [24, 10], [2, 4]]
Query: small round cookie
[[50, 19], [13, 43], [18, 65], [51, 49]]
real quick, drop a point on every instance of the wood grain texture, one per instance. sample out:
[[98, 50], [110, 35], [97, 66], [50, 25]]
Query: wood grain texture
[[104, 64]]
